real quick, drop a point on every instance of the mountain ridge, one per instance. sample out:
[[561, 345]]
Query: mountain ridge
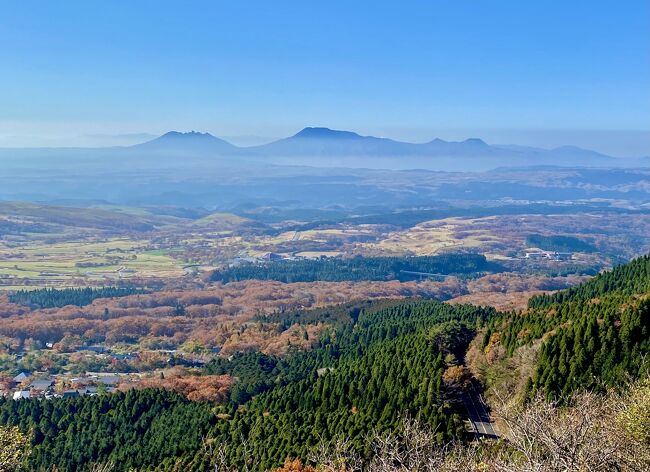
[[319, 141], [194, 140], [326, 147]]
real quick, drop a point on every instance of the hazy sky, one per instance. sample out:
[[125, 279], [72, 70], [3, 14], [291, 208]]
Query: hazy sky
[[530, 72]]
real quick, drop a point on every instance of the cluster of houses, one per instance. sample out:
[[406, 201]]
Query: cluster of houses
[[267, 257], [242, 258], [115, 357], [548, 255], [25, 385], [40, 385]]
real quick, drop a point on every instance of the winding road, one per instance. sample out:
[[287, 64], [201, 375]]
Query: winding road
[[478, 414]]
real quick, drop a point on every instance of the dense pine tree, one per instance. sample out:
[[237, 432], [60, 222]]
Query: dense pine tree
[[596, 334], [335, 269], [53, 298], [386, 361]]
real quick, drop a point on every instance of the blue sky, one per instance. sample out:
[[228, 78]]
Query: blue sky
[[539, 72]]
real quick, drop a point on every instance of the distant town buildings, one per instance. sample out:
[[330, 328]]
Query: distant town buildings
[[264, 258], [549, 255], [42, 385], [90, 384]]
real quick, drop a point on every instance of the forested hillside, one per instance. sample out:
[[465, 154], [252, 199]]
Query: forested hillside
[[628, 279], [335, 269], [593, 335], [559, 243], [365, 374], [385, 365], [377, 362]]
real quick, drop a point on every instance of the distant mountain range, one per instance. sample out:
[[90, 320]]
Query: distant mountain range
[[316, 168], [314, 146], [324, 147]]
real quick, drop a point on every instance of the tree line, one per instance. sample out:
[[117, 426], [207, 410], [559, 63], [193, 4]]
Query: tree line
[[627, 279], [337, 269], [57, 298], [559, 243]]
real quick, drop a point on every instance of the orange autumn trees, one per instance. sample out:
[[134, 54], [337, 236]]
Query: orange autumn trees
[[208, 388], [222, 315]]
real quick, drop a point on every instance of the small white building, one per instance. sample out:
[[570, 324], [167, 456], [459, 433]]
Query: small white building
[[549, 255], [20, 394]]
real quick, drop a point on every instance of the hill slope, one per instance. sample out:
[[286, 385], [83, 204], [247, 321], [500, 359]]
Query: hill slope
[[590, 336], [387, 360], [379, 361], [48, 215]]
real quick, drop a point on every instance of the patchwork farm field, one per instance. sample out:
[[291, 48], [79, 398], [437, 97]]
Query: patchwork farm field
[[62, 247], [83, 263]]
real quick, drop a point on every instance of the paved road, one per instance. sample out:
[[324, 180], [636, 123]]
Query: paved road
[[426, 275], [478, 415]]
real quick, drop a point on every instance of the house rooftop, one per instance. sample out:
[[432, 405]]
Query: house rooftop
[[41, 384], [109, 379], [22, 376]]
